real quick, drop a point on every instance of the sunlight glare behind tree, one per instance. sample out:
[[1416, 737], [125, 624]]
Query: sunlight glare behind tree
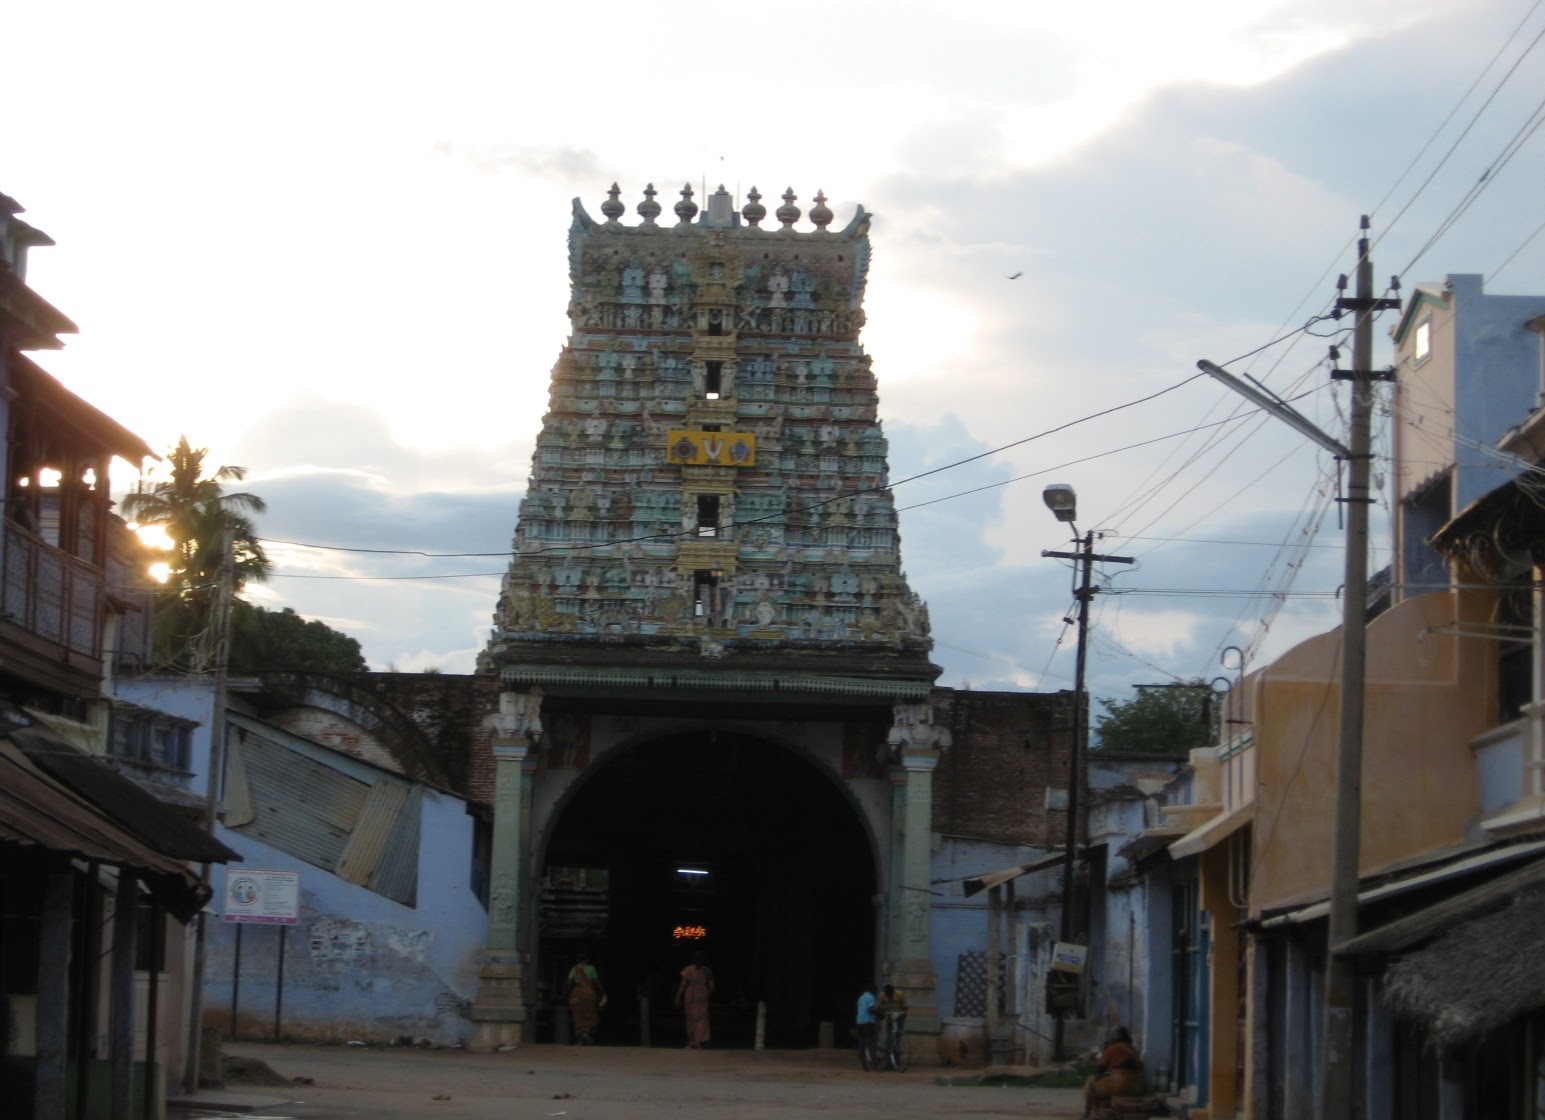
[[194, 510]]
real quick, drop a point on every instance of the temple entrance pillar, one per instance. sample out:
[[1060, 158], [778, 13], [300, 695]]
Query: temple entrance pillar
[[499, 1010], [916, 743]]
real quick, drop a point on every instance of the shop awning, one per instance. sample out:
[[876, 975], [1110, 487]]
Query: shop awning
[[37, 811], [1427, 923], [1476, 975], [167, 829], [1198, 840], [976, 884], [1480, 861]]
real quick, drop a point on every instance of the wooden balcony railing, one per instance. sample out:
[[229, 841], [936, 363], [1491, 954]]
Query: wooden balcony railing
[[51, 594]]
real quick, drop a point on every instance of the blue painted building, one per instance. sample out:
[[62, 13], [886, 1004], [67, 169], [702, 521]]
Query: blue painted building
[[390, 922], [1467, 368]]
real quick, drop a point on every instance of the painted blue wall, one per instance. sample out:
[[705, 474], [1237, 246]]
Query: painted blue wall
[[1496, 380], [358, 965], [959, 924]]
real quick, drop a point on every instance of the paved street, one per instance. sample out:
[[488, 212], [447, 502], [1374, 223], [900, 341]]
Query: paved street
[[605, 1083]]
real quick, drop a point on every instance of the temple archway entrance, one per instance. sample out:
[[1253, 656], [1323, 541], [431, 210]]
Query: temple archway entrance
[[725, 843]]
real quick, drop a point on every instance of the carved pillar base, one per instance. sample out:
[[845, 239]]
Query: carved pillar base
[[499, 1011], [921, 984]]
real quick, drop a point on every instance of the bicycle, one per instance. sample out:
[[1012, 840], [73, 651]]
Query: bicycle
[[893, 1047]]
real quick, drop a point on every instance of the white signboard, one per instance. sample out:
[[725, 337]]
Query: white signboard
[[1068, 958], [272, 897]]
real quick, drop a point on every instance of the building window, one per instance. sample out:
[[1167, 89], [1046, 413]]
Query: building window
[[1422, 347], [157, 743], [713, 380], [708, 515]]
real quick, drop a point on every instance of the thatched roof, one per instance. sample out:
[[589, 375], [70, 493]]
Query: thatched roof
[[1476, 978]]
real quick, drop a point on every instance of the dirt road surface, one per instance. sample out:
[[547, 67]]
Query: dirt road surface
[[617, 1083]]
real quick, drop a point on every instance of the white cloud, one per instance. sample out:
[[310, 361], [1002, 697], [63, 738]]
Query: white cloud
[[353, 280]]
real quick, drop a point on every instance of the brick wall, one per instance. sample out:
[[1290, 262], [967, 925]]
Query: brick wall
[[451, 713], [1009, 747]]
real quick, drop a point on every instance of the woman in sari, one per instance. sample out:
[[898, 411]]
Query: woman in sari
[[586, 998], [1120, 1073], [692, 997]]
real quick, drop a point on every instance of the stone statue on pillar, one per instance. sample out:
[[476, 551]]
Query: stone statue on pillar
[[520, 716]]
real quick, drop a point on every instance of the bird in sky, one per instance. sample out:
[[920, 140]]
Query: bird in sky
[[1016, 276]]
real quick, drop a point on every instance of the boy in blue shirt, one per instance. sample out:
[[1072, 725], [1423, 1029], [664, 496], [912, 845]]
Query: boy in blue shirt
[[864, 1019]]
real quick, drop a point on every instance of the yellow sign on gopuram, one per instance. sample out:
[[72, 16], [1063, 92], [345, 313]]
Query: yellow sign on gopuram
[[714, 449]]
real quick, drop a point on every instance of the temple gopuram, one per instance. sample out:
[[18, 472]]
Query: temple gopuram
[[718, 728]]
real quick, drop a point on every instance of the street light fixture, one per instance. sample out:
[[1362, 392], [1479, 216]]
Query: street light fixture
[[1061, 500]]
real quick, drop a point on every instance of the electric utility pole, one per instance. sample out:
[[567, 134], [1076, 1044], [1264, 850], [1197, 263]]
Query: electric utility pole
[[1340, 975], [220, 623], [1340, 979], [1086, 557]]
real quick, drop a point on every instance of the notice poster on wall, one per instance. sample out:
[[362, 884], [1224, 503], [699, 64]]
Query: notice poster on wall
[[268, 897]]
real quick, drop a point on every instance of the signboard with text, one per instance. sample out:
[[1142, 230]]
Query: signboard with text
[[268, 897], [1068, 958]]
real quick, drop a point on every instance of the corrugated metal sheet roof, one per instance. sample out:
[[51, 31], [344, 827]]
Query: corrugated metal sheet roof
[[38, 811], [372, 832], [300, 806], [397, 877], [329, 809]]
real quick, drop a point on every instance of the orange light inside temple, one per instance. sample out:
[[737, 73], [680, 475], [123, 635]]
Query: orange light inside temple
[[689, 933]]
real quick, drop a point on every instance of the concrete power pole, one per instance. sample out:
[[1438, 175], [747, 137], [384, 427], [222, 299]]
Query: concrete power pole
[[220, 619], [1085, 558], [1340, 974], [1340, 979]]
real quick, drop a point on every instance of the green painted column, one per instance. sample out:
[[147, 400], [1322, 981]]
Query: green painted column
[[911, 965], [917, 744], [499, 1011]]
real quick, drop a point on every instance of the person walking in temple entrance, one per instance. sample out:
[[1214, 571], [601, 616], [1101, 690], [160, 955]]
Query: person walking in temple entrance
[[586, 998], [692, 997]]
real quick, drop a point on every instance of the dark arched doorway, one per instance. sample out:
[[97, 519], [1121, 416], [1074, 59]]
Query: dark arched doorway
[[726, 843]]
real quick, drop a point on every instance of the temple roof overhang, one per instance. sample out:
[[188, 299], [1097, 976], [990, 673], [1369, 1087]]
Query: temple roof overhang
[[729, 683]]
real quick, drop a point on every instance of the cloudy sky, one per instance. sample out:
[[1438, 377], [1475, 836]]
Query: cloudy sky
[[327, 241]]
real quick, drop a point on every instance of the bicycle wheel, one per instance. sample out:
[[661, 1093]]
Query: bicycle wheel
[[896, 1051]]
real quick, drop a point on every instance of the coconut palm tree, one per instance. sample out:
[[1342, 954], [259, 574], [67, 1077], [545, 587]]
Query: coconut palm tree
[[194, 510]]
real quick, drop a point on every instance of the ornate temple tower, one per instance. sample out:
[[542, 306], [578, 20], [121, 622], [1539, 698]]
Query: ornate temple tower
[[707, 579]]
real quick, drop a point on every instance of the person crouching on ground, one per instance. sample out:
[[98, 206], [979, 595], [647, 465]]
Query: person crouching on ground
[[1120, 1073]]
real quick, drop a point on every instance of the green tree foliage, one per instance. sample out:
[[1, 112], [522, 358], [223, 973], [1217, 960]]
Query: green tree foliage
[[1160, 720], [195, 510], [262, 640]]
